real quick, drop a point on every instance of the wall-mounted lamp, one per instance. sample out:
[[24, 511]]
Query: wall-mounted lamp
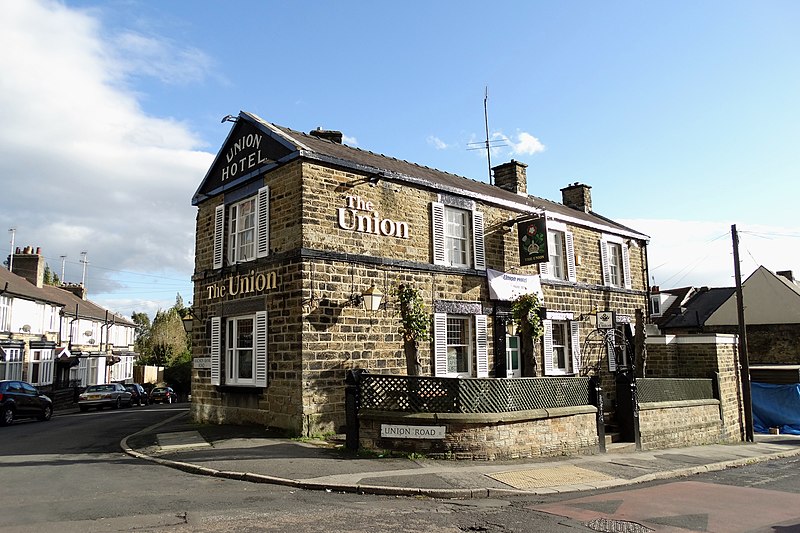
[[372, 299], [189, 319], [511, 327]]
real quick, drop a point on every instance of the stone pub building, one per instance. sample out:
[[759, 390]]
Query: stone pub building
[[293, 228]]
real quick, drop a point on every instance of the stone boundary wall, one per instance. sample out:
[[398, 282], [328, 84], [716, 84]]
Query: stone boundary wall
[[489, 437], [703, 356], [678, 424]]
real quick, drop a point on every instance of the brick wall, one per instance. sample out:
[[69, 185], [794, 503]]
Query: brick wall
[[769, 344]]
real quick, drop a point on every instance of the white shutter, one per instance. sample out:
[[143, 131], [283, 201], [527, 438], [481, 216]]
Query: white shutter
[[440, 344], [482, 345], [219, 234], [437, 233], [262, 222], [216, 349], [626, 266], [574, 329], [548, 347], [260, 346], [478, 249], [544, 269], [570, 251], [604, 263]]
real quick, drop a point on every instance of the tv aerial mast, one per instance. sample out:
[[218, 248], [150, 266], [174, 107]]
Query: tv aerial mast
[[488, 144]]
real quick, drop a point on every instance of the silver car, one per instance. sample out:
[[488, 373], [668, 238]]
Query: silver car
[[111, 395]]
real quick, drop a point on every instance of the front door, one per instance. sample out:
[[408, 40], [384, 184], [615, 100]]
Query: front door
[[513, 363]]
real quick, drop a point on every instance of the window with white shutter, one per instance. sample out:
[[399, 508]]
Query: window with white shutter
[[562, 354], [457, 237], [261, 355], [440, 344], [615, 262]]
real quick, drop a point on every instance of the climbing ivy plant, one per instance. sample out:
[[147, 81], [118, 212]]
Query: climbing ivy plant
[[525, 313], [415, 321]]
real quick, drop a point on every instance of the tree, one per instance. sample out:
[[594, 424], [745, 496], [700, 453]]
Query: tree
[[142, 342], [414, 325], [50, 277], [167, 337]]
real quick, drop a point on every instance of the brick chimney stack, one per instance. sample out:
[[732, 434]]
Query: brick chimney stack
[[788, 274], [330, 135], [577, 196], [75, 288], [512, 177], [30, 265]]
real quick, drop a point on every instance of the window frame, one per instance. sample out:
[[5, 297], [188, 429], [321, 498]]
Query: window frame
[[476, 345], [5, 313], [572, 354], [609, 246], [443, 238], [567, 255], [223, 370], [41, 366], [11, 366], [224, 246], [233, 351], [236, 233]]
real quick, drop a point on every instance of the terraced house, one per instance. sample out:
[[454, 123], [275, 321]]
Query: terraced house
[[295, 229], [55, 338]]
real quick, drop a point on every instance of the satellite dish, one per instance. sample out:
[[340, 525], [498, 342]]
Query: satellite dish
[[26, 328], [88, 333], [92, 341]]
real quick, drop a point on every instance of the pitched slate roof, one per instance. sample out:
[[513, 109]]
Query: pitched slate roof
[[698, 308], [13, 285], [313, 147], [21, 287]]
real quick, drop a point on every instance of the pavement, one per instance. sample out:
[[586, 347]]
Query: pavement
[[254, 454]]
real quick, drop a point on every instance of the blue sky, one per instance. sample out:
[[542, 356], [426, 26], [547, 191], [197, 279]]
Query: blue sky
[[682, 116]]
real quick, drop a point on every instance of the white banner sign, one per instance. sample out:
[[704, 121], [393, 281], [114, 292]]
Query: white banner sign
[[389, 431], [507, 287]]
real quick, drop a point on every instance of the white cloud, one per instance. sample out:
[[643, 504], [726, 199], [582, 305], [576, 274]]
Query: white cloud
[[700, 253], [157, 57], [83, 167], [526, 144], [436, 142], [349, 141]]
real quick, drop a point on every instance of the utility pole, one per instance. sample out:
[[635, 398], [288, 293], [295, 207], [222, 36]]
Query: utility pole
[[13, 232], [743, 355]]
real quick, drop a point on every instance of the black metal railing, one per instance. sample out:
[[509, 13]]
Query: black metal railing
[[674, 389]]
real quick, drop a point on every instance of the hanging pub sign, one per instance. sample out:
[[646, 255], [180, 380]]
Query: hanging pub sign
[[532, 235]]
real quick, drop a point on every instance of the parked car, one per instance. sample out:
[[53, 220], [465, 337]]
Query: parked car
[[111, 395], [163, 395], [138, 395], [19, 399]]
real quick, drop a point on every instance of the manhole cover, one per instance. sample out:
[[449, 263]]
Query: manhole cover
[[607, 525], [548, 477]]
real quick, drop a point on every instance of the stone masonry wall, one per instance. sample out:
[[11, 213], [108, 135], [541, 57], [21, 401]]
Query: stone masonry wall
[[675, 424], [703, 356], [523, 435], [769, 344]]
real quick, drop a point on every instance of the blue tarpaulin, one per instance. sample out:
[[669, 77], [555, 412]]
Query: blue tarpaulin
[[776, 406]]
